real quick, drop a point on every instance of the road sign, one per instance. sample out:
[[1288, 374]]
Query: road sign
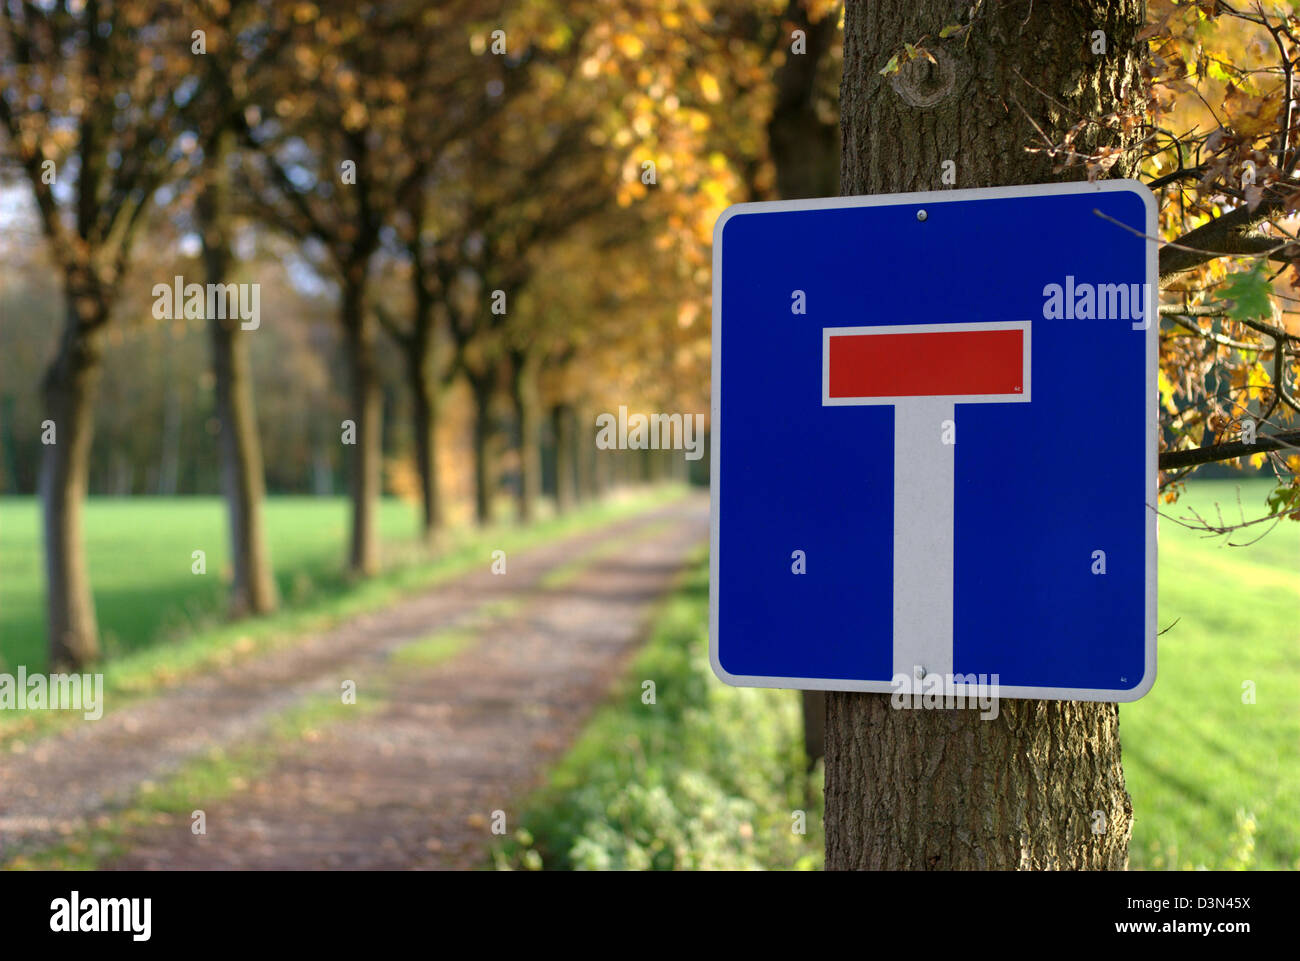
[[934, 442]]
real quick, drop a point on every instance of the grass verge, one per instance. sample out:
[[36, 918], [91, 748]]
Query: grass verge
[[703, 776]]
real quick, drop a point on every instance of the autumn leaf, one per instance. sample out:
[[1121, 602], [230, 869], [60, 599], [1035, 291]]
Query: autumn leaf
[[1284, 500], [1248, 294]]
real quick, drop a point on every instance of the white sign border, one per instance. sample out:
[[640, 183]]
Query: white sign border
[[1151, 333]]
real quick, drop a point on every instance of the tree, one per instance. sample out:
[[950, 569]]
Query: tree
[[331, 156], [1222, 156], [93, 123], [943, 789], [531, 186], [467, 92], [215, 112]]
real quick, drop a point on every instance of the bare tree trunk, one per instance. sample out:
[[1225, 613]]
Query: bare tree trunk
[[523, 396], [425, 391], [584, 455], [941, 789], [367, 414], [805, 147], [253, 587], [814, 727], [69, 389], [481, 386], [562, 427]]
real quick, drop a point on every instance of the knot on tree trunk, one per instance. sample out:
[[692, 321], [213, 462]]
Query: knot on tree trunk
[[922, 84]]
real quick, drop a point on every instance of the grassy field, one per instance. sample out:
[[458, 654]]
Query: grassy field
[[1215, 781], [148, 600], [139, 553]]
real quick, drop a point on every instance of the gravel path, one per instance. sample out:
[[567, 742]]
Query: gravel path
[[413, 784]]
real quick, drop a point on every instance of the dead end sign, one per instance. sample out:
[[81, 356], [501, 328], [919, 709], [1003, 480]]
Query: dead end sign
[[934, 441]]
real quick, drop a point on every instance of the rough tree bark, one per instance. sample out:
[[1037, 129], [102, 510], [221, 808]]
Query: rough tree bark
[[367, 413], [69, 391], [252, 590], [944, 789]]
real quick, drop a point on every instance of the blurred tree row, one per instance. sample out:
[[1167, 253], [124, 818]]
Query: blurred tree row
[[498, 213]]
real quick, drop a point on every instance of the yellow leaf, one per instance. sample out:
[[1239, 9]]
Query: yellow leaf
[[629, 45], [1167, 392], [709, 87]]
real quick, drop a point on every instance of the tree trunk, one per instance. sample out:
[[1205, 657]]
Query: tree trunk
[[804, 147], [69, 389], [253, 587], [943, 789], [425, 391], [814, 727], [523, 395], [584, 455], [366, 413], [565, 461], [481, 386]]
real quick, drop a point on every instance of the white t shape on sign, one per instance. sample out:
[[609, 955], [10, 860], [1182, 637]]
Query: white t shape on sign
[[923, 371]]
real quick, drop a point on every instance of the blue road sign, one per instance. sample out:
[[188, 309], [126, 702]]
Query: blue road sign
[[934, 442]]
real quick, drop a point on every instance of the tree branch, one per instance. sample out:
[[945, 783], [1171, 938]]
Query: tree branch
[[1236, 232], [1176, 459]]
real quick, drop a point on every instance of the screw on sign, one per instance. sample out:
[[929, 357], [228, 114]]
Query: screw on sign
[[909, 431]]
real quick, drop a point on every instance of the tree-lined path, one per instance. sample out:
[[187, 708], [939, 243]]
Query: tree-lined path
[[410, 780]]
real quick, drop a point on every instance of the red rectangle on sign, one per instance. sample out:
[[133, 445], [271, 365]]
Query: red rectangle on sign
[[932, 364]]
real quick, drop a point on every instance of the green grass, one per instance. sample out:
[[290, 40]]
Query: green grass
[[434, 649], [173, 627], [1216, 782], [139, 554], [706, 777]]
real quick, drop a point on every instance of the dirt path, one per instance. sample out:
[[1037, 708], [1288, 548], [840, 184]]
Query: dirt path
[[413, 784]]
